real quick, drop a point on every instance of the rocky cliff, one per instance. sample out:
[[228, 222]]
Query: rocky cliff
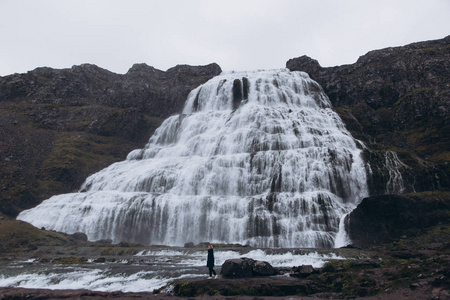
[[395, 99], [59, 126], [385, 218]]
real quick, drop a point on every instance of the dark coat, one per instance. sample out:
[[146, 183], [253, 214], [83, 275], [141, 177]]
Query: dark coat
[[210, 261]]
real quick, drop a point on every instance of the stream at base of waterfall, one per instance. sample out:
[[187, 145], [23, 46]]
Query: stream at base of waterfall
[[144, 270]]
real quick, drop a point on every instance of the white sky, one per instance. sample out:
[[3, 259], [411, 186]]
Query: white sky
[[236, 34]]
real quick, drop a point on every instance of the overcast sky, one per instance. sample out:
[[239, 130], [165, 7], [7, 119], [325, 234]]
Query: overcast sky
[[238, 35]]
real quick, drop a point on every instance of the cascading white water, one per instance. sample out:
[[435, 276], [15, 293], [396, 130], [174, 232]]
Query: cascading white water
[[255, 158], [393, 165]]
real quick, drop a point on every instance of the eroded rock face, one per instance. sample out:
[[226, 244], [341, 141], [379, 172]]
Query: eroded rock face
[[59, 126], [396, 98]]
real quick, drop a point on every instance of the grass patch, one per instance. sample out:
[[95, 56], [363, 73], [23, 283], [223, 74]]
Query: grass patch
[[17, 235]]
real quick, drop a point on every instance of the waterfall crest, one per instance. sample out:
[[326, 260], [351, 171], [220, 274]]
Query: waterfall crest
[[255, 158]]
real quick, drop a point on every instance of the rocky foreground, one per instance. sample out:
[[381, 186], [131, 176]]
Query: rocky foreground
[[415, 267]]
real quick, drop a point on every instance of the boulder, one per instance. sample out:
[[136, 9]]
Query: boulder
[[80, 236], [237, 268], [262, 268], [246, 267], [189, 245], [302, 271]]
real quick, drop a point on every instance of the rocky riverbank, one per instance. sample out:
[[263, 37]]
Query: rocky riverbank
[[406, 268]]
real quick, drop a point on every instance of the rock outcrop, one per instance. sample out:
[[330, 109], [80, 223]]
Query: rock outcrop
[[59, 126], [395, 99], [385, 218]]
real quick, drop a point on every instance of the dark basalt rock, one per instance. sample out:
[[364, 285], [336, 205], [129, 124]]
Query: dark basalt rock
[[262, 268], [382, 219], [237, 268], [246, 267]]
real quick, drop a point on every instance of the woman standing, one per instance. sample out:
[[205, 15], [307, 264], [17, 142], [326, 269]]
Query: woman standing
[[210, 262]]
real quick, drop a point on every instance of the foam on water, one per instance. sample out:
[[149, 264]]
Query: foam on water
[[284, 259], [95, 280]]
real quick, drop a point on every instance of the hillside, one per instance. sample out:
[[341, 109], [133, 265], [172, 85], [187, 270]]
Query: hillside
[[59, 126]]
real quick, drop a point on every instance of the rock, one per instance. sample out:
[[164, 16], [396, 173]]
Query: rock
[[302, 271], [246, 267], [414, 286], [80, 236], [305, 64], [237, 268], [444, 295], [262, 268], [381, 219], [189, 245], [438, 281], [440, 294], [246, 288]]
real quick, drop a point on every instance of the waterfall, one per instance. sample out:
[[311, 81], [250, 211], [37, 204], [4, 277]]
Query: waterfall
[[256, 158], [393, 165]]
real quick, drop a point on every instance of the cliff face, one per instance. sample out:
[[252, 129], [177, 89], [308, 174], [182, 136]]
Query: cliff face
[[383, 219], [395, 99], [59, 126]]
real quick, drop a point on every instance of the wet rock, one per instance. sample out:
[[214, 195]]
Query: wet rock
[[246, 267], [237, 268]]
